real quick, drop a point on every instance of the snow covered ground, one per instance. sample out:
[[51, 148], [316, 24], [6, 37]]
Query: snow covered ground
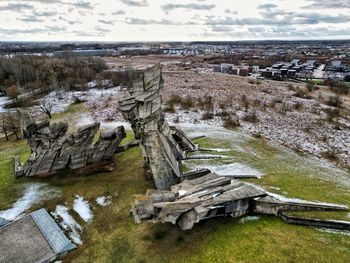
[[83, 208], [104, 200], [102, 103], [85, 211], [68, 223], [248, 219], [334, 231], [34, 193], [231, 169], [301, 124], [3, 102], [294, 200]]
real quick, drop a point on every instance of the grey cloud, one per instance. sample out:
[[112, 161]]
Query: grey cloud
[[267, 6], [30, 19], [82, 12], [71, 22], [135, 2], [287, 19], [119, 12], [278, 32], [194, 6], [140, 21], [82, 4], [46, 29], [101, 29], [44, 13], [325, 4], [17, 31], [106, 22], [257, 29], [15, 7], [311, 33], [228, 11], [223, 21], [79, 4], [48, 1], [219, 28], [87, 34], [56, 28]]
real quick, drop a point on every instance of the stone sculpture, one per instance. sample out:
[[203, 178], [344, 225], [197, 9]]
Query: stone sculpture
[[52, 149], [212, 195], [163, 146], [186, 199]]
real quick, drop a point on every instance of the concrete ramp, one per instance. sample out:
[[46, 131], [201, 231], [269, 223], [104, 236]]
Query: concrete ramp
[[33, 238]]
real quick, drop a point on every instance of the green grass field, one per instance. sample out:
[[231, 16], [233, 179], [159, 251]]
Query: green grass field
[[112, 235]]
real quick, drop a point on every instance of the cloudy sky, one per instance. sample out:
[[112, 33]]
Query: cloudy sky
[[164, 20]]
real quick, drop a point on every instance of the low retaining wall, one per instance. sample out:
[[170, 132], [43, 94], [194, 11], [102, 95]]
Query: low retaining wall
[[334, 224]]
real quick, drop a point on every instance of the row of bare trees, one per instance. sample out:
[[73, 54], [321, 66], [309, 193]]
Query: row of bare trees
[[27, 73]]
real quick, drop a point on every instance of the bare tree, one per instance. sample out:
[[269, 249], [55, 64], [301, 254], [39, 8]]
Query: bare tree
[[4, 126], [13, 92], [12, 121], [46, 107], [9, 123]]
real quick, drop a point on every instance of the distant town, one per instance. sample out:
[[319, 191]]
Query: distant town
[[278, 60]]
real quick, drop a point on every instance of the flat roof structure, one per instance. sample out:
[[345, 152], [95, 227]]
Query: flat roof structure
[[33, 238]]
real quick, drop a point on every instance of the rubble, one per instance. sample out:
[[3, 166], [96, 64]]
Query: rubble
[[52, 149]]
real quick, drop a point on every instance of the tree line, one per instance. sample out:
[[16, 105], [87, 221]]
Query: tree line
[[21, 74], [34, 75]]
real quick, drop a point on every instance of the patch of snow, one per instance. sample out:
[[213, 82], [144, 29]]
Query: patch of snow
[[115, 124], [334, 231], [87, 119], [215, 195], [68, 223], [3, 102], [216, 149], [95, 83], [84, 119], [212, 131], [198, 193], [275, 188], [97, 97], [230, 169], [104, 200], [294, 200], [182, 192], [248, 219], [209, 156], [216, 207], [297, 200], [82, 207], [33, 193]]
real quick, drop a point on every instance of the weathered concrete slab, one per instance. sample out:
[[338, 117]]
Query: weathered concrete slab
[[163, 147], [212, 195], [53, 150]]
